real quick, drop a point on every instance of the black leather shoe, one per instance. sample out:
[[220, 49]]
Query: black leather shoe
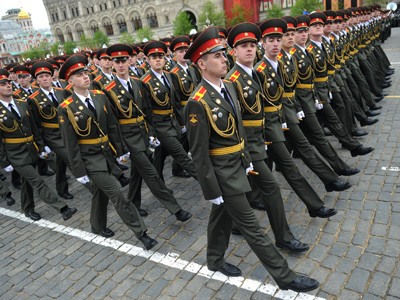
[[106, 232], [181, 173], [337, 186], [16, 184], [322, 212], [301, 284], [10, 200], [183, 215], [147, 241], [368, 121], [142, 212], [258, 205], [46, 173], [123, 180], [293, 245], [375, 107], [379, 98], [68, 212], [361, 150], [327, 131], [236, 231], [358, 132], [31, 214], [66, 195], [349, 171], [228, 270], [386, 85], [372, 113], [122, 167]]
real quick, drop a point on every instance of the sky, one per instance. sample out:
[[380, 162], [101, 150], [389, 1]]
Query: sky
[[34, 7]]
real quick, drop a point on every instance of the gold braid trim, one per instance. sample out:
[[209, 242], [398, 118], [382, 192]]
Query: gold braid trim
[[75, 125], [125, 113], [288, 81], [230, 129], [53, 111], [317, 67], [7, 129], [155, 98], [255, 109], [183, 90]]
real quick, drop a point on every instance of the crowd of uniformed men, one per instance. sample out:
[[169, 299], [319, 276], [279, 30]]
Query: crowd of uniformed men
[[237, 100]]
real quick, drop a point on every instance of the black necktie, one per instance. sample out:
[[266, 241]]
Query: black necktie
[[54, 99], [130, 88], [58, 84], [90, 106], [14, 111], [165, 81], [227, 98], [30, 91]]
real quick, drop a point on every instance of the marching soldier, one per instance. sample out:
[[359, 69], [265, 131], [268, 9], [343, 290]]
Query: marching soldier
[[167, 120], [5, 193], [243, 39], [91, 134], [222, 162], [125, 95], [44, 103], [134, 69], [20, 149], [103, 75], [169, 61], [275, 123]]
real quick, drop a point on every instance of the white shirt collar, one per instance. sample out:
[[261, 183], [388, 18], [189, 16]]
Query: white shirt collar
[[124, 83], [247, 69], [6, 104], [274, 64], [183, 67], [319, 44], [302, 48], [83, 98], [47, 92], [158, 75], [217, 88]]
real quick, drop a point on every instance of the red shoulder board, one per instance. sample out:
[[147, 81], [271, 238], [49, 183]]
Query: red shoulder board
[[67, 102], [98, 92], [17, 92], [143, 65], [34, 95], [332, 38], [231, 52], [235, 75], [175, 70], [261, 67], [279, 56], [98, 77], [310, 47], [292, 51], [200, 93], [147, 78], [110, 85], [68, 87]]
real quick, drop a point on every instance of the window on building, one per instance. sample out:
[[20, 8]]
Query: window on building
[[122, 26], [92, 9], [73, 13], [76, 11], [87, 10], [109, 29], [57, 17], [137, 23], [101, 7], [94, 28], [65, 14], [287, 3], [105, 6], [152, 20], [265, 5], [166, 19]]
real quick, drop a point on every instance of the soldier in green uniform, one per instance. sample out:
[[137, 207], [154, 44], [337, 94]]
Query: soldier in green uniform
[[131, 110], [44, 103], [275, 121], [243, 39], [5, 193], [20, 149], [217, 143], [91, 135], [134, 69], [165, 115], [104, 74]]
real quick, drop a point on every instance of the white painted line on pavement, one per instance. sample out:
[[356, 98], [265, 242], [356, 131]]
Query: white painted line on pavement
[[169, 259], [393, 169]]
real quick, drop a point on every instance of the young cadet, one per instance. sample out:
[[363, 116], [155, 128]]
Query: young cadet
[[165, 113], [134, 69], [125, 95], [275, 122], [103, 75], [305, 95], [20, 149], [217, 143], [243, 39], [44, 102], [91, 135], [319, 55]]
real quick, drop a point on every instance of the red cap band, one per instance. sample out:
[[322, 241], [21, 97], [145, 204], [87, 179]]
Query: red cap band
[[155, 50], [73, 69], [2, 77], [244, 36], [317, 20], [42, 70], [22, 72], [272, 30], [104, 54], [119, 54], [204, 48], [181, 45]]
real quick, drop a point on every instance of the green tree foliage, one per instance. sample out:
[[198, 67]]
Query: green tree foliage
[[126, 38], [86, 42], [144, 33], [38, 52], [69, 47], [182, 24], [100, 39], [305, 5], [239, 14], [54, 48], [275, 12], [210, 11]]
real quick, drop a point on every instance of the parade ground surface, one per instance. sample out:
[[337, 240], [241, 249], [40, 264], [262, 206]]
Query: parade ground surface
[[354, 254]]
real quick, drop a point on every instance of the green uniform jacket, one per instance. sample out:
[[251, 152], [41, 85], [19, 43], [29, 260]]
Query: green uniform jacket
[[320, 71], [77, 124], [212, 124], [24, 153], [252, 106], [126, 107]]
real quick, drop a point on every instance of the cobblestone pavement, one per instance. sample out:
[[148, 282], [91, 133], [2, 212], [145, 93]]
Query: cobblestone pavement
[[354, 254]]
